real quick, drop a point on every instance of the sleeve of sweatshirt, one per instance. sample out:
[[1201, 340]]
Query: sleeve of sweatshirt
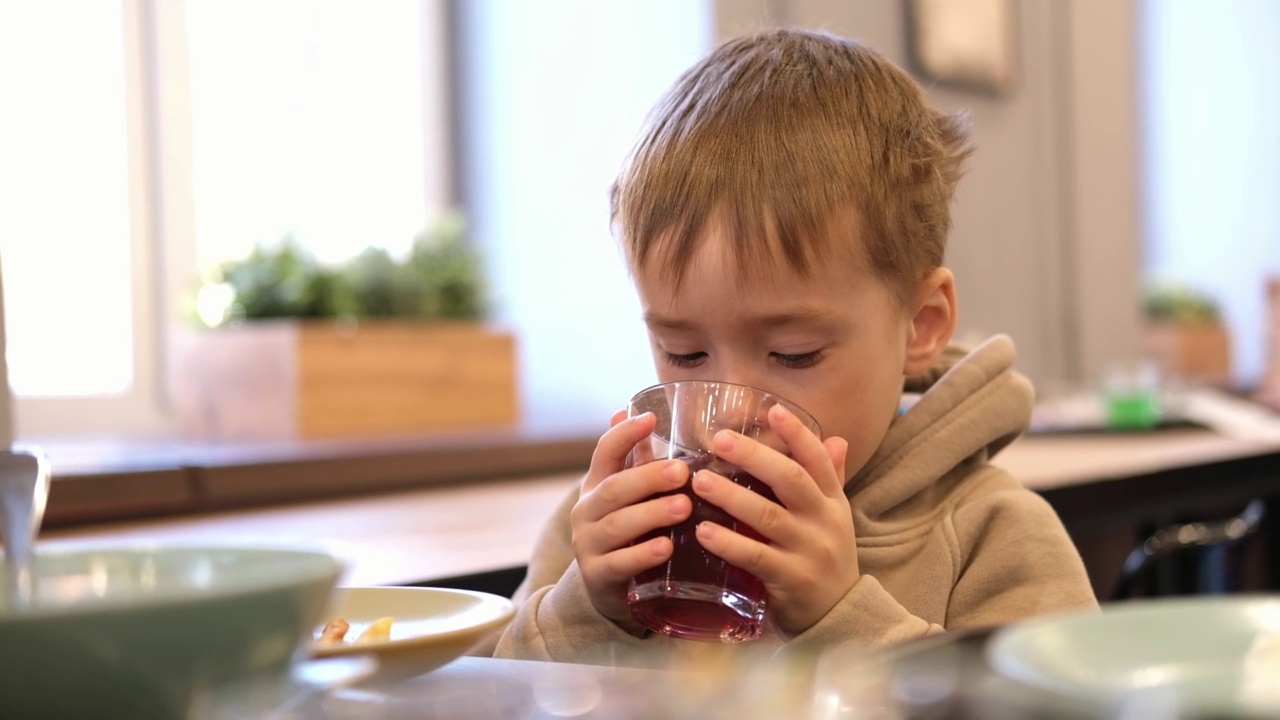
[[555, 619], [1016, 561], [867, 615]]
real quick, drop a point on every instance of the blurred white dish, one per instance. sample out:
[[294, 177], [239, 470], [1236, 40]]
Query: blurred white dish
[[432, 626], [135, 630], [1215, 656]]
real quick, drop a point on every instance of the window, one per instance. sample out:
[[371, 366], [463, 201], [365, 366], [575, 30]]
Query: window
[[201, 127], [65, 180], [1211, 153], [307, 118], [160, 137]]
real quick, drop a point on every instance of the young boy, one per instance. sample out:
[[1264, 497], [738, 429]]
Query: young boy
[[784, 216]]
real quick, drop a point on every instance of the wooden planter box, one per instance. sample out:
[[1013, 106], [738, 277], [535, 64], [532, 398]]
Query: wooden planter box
[[318, 379], [1199, 354]]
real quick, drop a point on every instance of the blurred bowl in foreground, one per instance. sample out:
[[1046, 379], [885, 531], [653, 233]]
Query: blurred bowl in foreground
[[140, 631]]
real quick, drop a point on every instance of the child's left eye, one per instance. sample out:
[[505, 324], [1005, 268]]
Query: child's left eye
[[798, 361]]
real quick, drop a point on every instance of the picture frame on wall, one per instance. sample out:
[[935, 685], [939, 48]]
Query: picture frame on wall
[[969, 44]]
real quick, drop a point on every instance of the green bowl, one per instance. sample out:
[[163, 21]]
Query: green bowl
[[155, 632]]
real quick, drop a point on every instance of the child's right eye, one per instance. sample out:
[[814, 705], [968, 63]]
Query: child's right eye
[[686, 361]]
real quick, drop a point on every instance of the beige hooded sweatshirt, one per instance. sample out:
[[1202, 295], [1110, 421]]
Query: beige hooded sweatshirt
[[945, 540]]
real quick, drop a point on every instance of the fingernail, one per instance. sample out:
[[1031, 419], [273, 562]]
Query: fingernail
[[726, 439], [675, 504], [702, 481], [673, 471], [783, 411], [705, 529], [641, 416]]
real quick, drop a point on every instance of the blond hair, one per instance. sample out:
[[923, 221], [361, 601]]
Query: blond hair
[[799, 142]]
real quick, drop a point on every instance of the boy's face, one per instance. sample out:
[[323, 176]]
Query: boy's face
[[835, 343]]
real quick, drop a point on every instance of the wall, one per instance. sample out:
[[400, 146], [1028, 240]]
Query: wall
[[553, 95], [1046, 238]]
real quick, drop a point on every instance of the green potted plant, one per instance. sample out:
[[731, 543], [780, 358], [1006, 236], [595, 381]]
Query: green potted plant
[[292, 347], [1184, 334]]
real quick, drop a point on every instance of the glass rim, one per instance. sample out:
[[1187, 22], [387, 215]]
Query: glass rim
[[804, 415]]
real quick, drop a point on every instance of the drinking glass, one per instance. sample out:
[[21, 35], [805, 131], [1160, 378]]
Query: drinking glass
[[696, 595]]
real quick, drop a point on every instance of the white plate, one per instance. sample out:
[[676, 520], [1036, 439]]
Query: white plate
[[432, 627], [1219, 656]]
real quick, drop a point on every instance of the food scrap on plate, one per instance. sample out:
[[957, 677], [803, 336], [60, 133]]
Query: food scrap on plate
[[335, 631]]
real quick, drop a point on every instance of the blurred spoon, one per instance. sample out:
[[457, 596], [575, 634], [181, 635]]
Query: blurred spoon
[[24, 488]]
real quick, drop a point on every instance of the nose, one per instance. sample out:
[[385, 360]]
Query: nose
[[730, 406], [737, 409], [740, 373], [743, 408]]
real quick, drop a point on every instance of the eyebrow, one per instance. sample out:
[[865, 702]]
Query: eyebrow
[[799, 316]]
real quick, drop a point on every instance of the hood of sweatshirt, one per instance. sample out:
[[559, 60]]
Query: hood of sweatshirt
[[971, 405]]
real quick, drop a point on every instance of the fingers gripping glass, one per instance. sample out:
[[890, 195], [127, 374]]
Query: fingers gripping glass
[[695, 595]]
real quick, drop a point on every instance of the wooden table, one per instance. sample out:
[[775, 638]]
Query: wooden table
[[400, 538], [1097, 483]]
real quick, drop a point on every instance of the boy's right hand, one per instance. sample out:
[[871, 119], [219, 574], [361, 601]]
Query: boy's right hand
[[614, 509]]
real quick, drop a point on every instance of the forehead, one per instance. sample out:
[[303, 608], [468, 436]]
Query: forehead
[[754, 248], [770, 290]]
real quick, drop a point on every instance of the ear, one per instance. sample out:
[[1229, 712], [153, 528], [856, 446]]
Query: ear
[[933, 321]]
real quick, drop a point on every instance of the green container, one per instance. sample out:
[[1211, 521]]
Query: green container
[[1138, 410]]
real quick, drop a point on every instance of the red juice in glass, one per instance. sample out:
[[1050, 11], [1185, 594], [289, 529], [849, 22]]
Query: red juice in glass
[[696, 595]]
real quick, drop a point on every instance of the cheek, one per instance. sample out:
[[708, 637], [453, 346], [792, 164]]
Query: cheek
[[864, 443], [860, 411], [667, 373]]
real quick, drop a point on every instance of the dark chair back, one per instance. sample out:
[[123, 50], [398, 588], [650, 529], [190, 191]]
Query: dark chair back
[[1207, 554]]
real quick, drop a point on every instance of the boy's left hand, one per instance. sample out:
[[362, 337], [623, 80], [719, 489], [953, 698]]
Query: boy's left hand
[[812, 559]]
